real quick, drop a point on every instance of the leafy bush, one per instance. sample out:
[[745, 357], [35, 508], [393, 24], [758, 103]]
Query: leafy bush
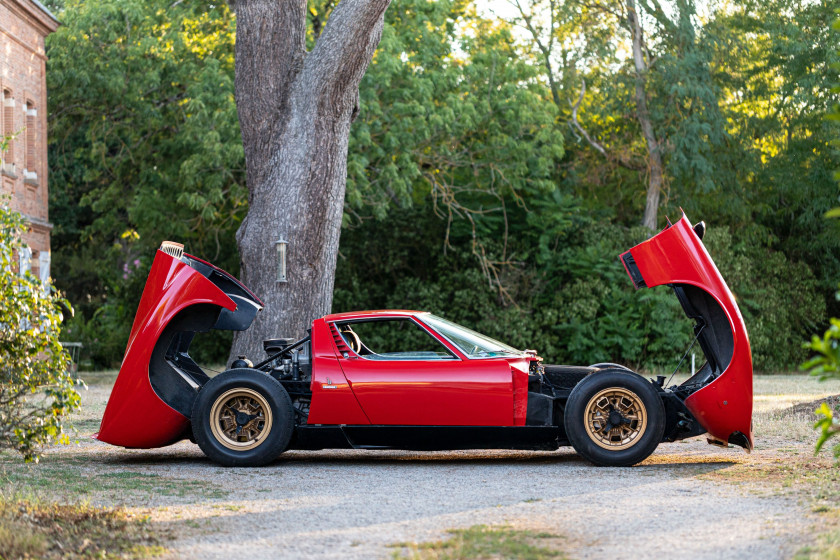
[[779, 298], [826, 365], [571, 298], [36, 386]]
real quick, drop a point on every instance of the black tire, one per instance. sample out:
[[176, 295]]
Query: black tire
[[255, 443], [641, 417]]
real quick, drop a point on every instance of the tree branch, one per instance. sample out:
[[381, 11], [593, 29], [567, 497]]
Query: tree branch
[[577, 125], [340, 58], [622, 161], [545, 50], [654, 8]]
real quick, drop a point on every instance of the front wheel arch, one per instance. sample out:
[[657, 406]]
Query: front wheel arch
[[641, 418]]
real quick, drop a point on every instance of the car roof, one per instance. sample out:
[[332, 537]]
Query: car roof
[[372, 314]]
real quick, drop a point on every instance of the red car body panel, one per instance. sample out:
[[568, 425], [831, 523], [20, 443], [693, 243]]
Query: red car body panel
[[432, 393], [676, 256], [333, 401], [135, 415], [456, 392], [519, 369]]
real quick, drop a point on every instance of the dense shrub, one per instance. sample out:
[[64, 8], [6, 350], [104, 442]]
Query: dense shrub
[[574, 303], [779, 298]]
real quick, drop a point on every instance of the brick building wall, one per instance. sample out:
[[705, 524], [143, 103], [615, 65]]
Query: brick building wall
[[23, 111]]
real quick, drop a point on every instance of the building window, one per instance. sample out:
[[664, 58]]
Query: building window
[[30, 169], [8, 131]]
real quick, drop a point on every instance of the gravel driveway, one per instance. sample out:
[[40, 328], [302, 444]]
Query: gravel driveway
[[354, 504]]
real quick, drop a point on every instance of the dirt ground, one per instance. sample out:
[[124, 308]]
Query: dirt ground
[[689, 500]]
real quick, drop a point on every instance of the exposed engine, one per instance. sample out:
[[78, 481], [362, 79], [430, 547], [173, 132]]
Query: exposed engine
[[290, 363]]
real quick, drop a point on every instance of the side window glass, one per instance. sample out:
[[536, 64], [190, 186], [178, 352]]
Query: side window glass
[[392, 339]]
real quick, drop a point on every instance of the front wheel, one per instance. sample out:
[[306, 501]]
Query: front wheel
[[610, 365], [614, 418], [242, 418]]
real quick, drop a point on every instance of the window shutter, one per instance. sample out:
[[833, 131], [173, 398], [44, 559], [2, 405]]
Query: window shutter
[[9, 125], [44, 269], [29, 163], [25, 260]]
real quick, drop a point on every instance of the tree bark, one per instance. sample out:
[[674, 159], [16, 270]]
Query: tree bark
[[295, 108], [655, 169]]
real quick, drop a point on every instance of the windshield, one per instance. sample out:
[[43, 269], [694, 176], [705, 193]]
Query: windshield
[[469, 342]]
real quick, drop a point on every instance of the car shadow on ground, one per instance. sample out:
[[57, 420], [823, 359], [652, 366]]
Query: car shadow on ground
[[188, 457]]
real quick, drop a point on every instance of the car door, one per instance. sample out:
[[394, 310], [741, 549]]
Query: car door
[[402, 375]]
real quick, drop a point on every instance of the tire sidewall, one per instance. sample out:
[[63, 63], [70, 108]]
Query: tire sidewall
[[589, 387], [278, 401]]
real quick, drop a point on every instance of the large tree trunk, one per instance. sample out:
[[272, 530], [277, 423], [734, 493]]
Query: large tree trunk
[[295, 110], [655, 170]]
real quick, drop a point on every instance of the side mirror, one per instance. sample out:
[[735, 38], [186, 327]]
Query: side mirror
[[700, 229]]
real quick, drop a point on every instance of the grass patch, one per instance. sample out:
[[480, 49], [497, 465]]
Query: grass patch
[[102, 377], [64, 476], [481, 541], [33, 529], [827, 547], [814, 478]]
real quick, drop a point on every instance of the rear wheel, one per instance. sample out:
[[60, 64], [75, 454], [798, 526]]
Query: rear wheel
[[614, 418], [242, 418]]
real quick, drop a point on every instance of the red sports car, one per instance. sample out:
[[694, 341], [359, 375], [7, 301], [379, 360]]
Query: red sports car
[[412, 380]]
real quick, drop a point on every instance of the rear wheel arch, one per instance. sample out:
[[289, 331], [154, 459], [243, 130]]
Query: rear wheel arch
[[264, 429]]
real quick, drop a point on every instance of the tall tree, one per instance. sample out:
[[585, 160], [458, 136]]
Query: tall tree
[[295, 108], [674, 103], [656, 176]]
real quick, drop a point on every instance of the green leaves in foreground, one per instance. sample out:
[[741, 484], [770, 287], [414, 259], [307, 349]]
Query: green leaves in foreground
[[36, 386], [828, 426], [826, 365]]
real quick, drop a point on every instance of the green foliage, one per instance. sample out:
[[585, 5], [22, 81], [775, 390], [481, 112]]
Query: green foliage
[[144, 146], [826, 365], [36, 386], [449, 110], [776, 94], [463, 196], [572, 301]]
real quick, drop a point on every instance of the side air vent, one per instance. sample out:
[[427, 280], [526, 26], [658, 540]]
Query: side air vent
[[633, 270], [339, 342], [175, 250]]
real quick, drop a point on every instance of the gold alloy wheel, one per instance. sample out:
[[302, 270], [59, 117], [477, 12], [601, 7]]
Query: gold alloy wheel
[[241, 419], [615, 418]]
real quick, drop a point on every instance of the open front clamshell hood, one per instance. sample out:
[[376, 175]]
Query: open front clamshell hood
[[677, 257]]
